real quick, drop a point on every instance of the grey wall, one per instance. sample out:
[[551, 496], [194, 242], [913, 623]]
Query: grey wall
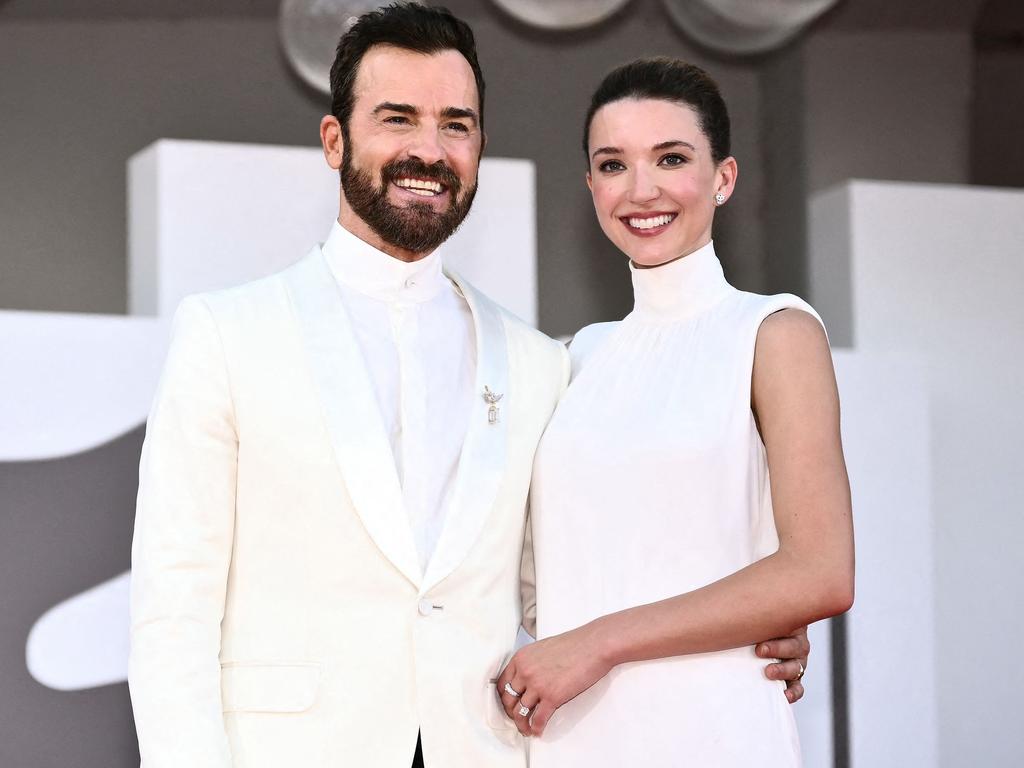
[[79, 95], [887, 105], [62, 531], [85, 85], [997, 153]]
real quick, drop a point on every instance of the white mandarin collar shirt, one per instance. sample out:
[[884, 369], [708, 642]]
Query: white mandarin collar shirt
[[415, 330]]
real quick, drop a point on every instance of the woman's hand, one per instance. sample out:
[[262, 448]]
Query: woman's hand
[[550, 672]]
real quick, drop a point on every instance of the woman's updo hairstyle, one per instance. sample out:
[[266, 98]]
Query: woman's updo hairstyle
[[668, 80]]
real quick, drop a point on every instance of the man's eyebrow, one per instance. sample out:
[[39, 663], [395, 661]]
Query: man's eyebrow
[[459, 112], [447, 113], [390, 106]]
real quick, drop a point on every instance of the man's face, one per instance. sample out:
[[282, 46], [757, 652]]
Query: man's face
[[412, 149]]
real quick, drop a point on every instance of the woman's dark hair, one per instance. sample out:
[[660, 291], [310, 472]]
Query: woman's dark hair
[[669, 80], [406, 25]]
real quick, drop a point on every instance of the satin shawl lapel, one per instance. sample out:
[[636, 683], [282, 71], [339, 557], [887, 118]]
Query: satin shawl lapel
[[350, 411], [482, 462]]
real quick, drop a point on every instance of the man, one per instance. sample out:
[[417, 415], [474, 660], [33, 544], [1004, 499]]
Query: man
[[333, 484]]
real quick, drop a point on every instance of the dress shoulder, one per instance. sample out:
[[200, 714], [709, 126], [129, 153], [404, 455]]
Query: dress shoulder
[[757, 307], [587, 341]]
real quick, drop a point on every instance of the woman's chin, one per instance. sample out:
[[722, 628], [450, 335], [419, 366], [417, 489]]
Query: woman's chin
[[647, 259]]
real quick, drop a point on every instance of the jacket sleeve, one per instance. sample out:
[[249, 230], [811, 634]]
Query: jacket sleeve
[[181, 551]]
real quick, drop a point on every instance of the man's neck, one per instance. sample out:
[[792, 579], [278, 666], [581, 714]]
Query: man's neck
[[361, 229]]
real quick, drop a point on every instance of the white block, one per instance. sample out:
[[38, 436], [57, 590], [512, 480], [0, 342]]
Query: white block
[[72, 382], [936, 272], [890, 644], [206, 215]]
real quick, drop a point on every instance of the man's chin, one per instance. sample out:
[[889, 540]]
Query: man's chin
[[438, 205]]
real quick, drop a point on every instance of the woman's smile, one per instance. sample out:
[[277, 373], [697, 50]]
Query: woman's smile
[[649, 223]]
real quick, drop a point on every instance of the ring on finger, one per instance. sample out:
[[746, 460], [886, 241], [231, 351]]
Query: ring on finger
[[511, 691], [802, 670], [524, 711]]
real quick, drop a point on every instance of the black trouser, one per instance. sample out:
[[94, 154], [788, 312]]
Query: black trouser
[[417, 759]]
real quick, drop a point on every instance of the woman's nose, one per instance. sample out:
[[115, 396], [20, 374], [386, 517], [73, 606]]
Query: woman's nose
[[642, 188]]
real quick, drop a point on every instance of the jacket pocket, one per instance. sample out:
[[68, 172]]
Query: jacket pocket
[[497, 720], [494, 711], [256, 686]]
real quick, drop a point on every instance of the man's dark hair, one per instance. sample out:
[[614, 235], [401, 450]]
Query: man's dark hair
[[669, 80], [407, 25]]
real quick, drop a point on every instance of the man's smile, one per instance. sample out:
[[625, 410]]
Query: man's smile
[[421, 187]]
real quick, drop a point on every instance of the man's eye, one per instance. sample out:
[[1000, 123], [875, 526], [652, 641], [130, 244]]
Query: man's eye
[[458, 127], [610, 166], [396, 120], [672, 160]]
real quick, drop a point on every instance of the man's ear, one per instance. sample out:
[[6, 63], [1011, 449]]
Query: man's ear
[[332, 141]]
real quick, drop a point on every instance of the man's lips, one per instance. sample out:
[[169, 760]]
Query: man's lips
[[419, 186], [650, 223]]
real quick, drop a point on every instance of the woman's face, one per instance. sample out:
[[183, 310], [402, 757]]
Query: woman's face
[[653, 179]]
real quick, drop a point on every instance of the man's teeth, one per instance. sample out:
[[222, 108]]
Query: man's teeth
[[420, 186], [652, 222]]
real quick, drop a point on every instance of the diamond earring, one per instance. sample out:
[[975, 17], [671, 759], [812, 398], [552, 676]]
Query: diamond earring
[[719, 198]]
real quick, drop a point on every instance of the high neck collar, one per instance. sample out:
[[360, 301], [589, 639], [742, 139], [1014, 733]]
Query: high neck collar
[[363, 268], [680, 289]]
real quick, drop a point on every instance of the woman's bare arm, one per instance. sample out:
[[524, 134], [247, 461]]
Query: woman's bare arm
[[810, 577]]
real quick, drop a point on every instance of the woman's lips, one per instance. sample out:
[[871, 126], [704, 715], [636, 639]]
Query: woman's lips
[[648, 224]]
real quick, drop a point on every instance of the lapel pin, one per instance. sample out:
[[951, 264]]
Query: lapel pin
[[492, 399]]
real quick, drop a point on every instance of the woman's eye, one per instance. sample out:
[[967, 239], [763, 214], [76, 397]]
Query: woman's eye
[[610, 166], [672, 160]]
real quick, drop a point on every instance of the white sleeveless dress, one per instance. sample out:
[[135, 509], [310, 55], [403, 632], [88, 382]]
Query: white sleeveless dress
[[651, 481]]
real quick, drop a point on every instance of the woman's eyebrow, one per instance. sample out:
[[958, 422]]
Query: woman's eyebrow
[[670, 144], [674, 143]]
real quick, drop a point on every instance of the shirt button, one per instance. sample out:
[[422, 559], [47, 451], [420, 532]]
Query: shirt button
[[426, 607], [410, 283]]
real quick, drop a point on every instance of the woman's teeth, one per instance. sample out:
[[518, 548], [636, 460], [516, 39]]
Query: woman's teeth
[[420, 187], [651, 222]]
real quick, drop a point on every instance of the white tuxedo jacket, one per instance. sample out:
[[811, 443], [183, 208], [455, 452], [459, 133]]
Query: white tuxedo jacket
[[279, 615]]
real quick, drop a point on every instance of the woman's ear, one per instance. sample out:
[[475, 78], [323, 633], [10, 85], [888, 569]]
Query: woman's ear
[[590, 182], [725, 177]]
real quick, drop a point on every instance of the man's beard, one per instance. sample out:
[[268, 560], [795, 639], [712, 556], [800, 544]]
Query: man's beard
[[415, 227]]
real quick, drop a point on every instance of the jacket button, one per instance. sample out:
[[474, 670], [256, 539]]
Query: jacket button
[[426, 607]]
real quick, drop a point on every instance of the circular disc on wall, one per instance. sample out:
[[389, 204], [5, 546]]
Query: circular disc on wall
[[744, 26], [310, 30], [560, 14]]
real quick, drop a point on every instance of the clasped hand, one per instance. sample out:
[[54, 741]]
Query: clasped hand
[[548, 673]]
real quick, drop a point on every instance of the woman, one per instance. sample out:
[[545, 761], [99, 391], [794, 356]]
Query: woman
[[662, 552]]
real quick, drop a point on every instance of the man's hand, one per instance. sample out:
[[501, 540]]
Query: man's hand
[[792, 653]]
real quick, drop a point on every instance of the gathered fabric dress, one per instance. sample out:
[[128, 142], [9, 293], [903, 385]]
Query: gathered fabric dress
[[651, 481]]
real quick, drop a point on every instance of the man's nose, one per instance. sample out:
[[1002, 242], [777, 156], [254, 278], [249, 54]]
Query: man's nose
[[427, 146]]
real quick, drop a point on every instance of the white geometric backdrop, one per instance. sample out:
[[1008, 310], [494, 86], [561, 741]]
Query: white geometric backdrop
[[917, 276]]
